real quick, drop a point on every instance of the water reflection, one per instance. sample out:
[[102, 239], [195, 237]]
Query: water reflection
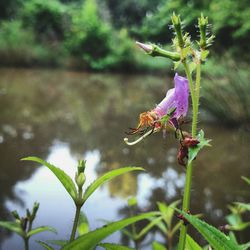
[[62, 116]]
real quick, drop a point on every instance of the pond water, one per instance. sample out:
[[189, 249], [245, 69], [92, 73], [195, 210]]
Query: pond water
[[63, 116]]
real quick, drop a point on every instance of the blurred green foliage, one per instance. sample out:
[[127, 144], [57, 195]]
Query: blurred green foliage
[[98, 34]]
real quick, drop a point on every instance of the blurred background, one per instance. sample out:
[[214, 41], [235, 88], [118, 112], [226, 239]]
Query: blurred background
[[71, 83]]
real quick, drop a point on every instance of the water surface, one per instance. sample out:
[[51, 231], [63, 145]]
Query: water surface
[[63, 116]]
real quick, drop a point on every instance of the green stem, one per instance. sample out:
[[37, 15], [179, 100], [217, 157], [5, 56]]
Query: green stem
[[26, 243], [78, 204], [77, 215], [187, 190]]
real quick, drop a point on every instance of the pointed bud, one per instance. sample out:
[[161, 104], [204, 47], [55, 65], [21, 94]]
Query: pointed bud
[[202, 23], [176, 20], [15, 215], [80, 179], [146, 47], [81, 166], [154, 50], [28, 214], [35, 209]]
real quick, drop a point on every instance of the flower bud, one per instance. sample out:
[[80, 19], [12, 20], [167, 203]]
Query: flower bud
[[146, 47], [176, 20], [81, 166], [15, 215], [202, 23], [80, 179], [28, 214], [35, 209], [154, 50]]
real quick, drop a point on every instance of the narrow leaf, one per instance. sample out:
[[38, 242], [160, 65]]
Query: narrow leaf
[[215, 238], [107, 177], [240, 226], [245, 246], [245, 206], [60, 243], [12, 226], [168, 211], [40, 230], [148, 227], [109, 246], [158, 246], [91, 239], [60, 174], [247, 180], [45, 245], [193, 151], [191, 244]]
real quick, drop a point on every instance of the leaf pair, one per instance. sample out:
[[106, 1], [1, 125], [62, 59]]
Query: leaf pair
[[69, 185]]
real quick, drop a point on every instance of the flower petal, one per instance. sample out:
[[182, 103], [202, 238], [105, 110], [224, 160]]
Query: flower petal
[[181, 95]]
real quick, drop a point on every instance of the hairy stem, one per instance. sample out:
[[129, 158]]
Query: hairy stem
[[187, 190]]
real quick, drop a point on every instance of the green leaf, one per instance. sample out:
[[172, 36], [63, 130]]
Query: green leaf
[[162, 227], [233, 237], [247, 180], [167, 211], [234, 219], [40, 230], [204, 55], [12, 226], [45, 245], [60, 174], [193, 151], [148, 227], [191, 244], [192, 67], [215, 238], [245, 246], [240, 226], [158, 246], [83, 224], [107, 177], [245, 206], [109, 246], [91, 239], [58, 242], [176, 64]]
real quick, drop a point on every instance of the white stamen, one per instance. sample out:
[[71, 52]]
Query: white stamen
[[138, 140]]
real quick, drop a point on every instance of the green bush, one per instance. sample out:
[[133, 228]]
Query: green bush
[[18, 47], [94, 40], [47, 19]]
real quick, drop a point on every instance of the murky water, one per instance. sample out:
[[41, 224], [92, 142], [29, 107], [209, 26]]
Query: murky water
[[64, 116]]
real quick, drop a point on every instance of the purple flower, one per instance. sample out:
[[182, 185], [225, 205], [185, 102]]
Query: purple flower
[[175, 104], [176, 98]]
